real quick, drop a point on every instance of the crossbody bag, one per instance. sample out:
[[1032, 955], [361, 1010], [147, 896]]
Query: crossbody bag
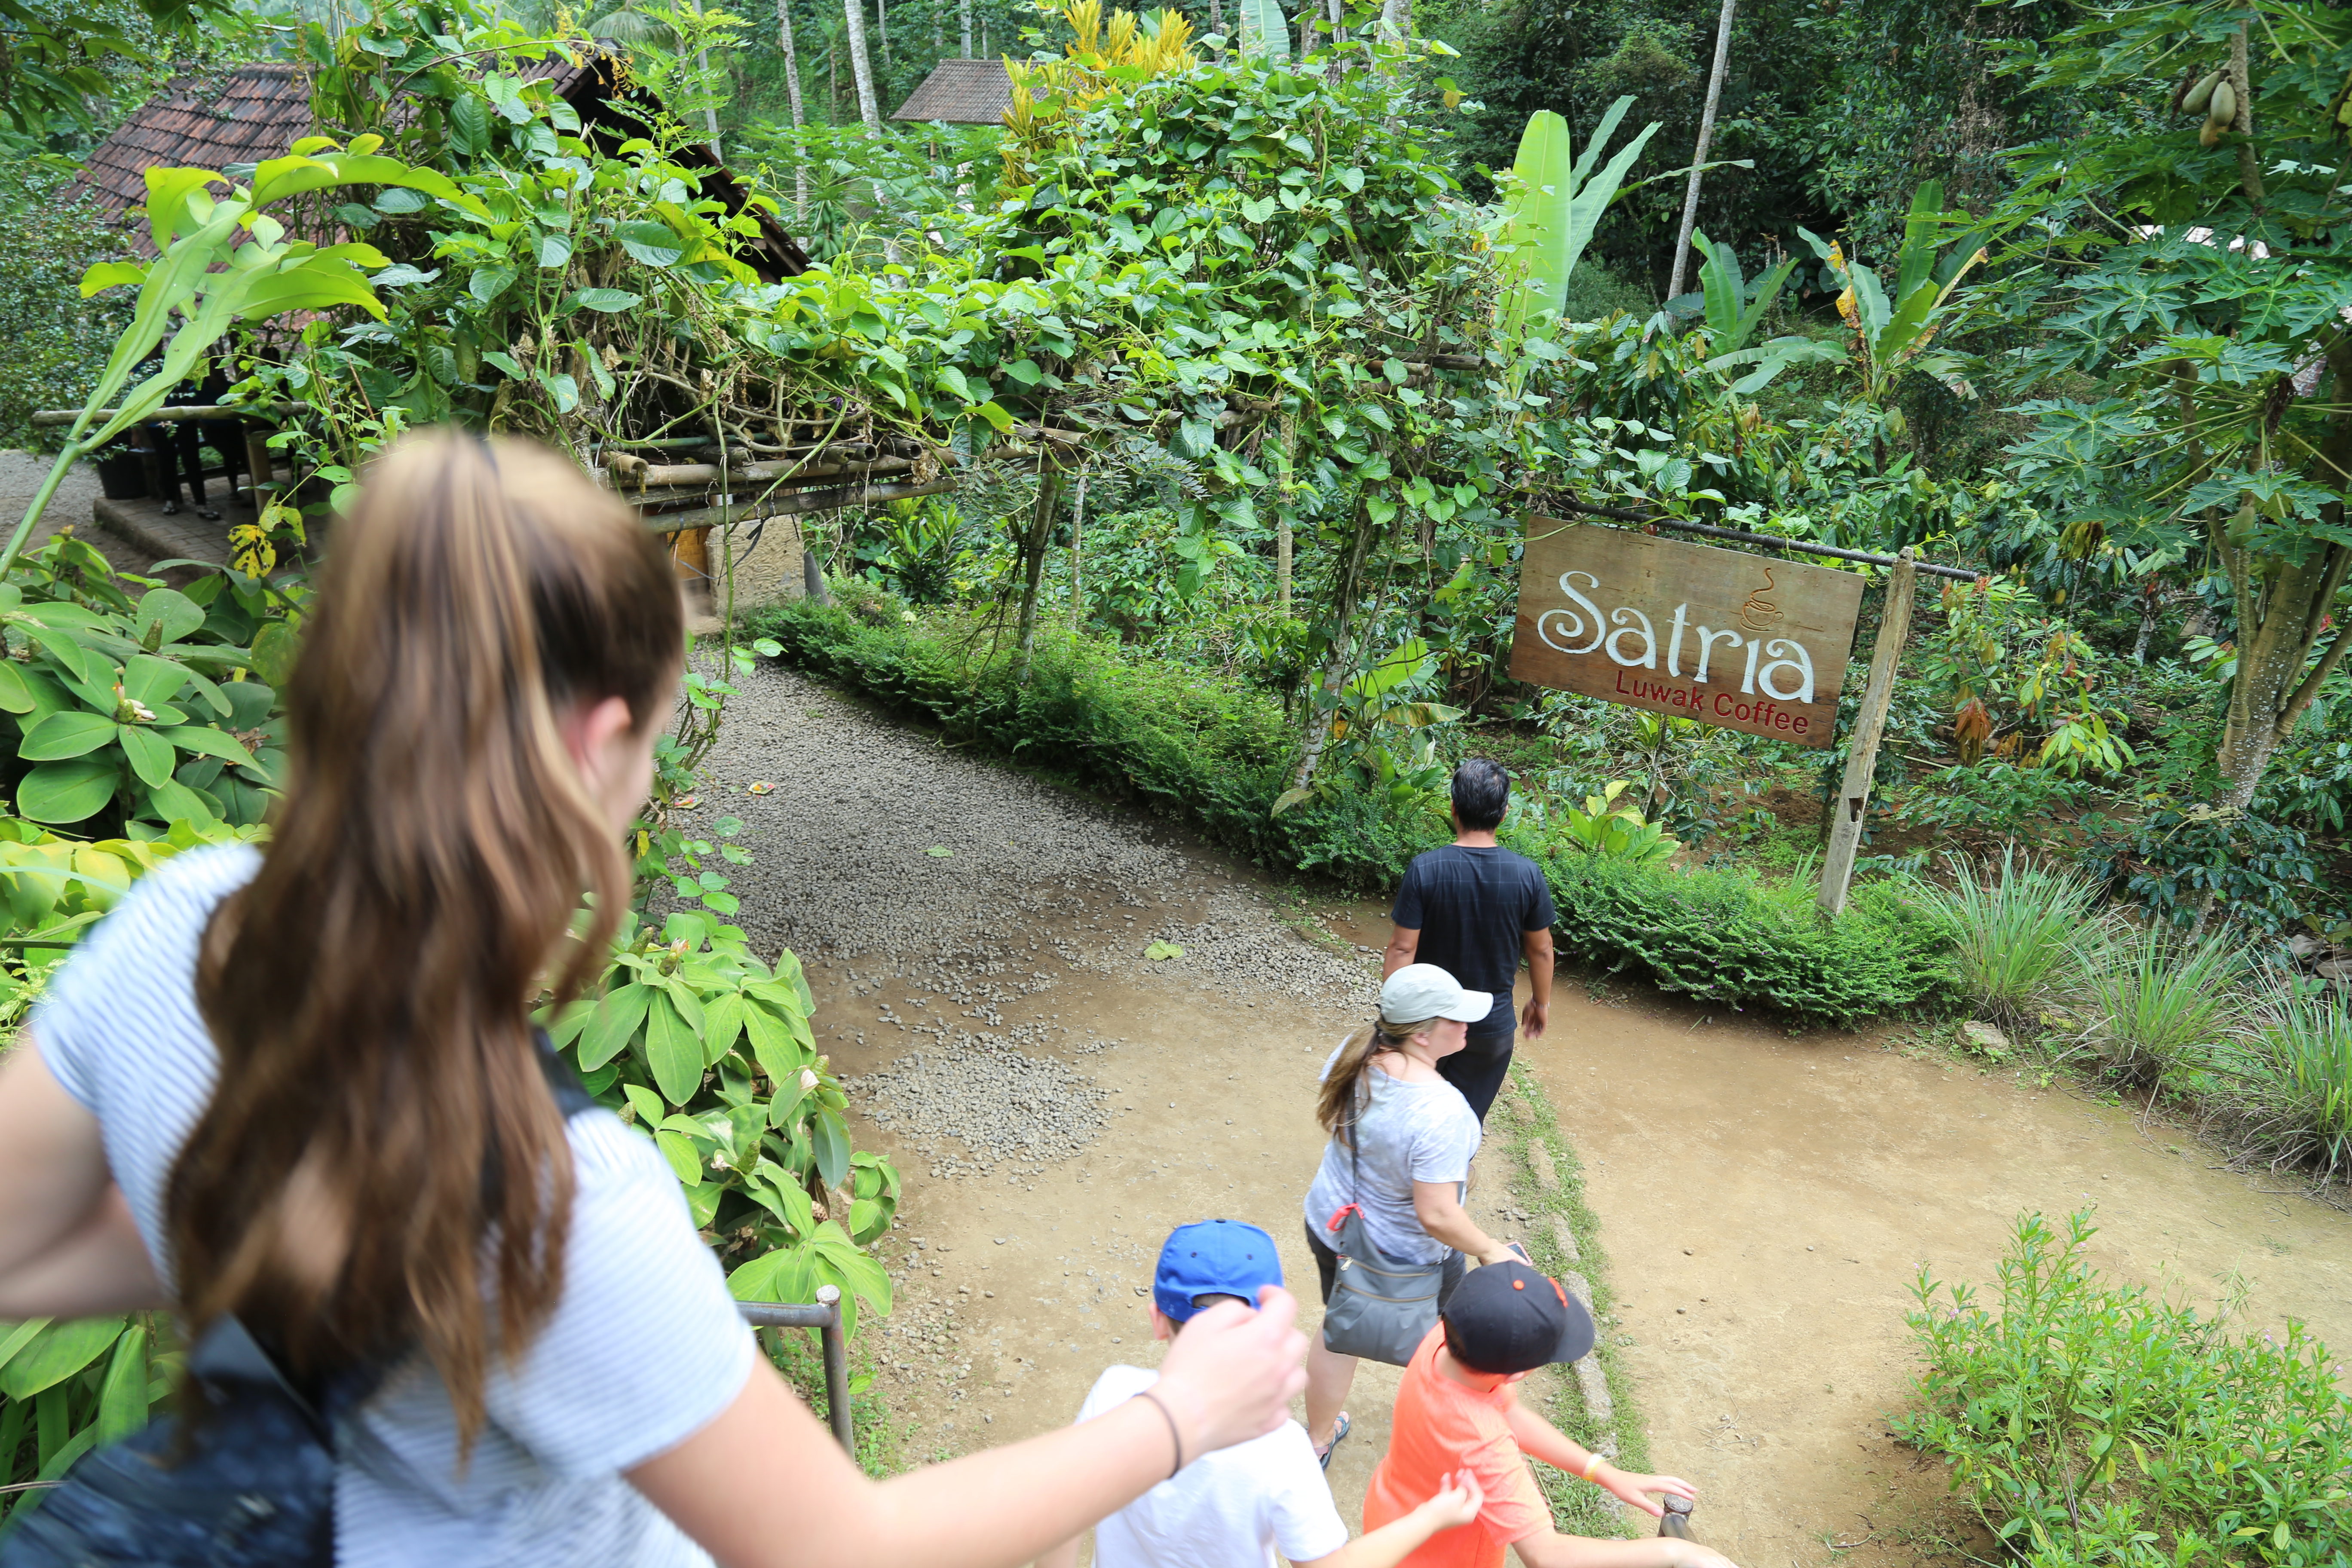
[[1380, 1310]]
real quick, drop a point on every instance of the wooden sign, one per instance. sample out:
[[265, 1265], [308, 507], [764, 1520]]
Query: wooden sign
[[1718, 636]]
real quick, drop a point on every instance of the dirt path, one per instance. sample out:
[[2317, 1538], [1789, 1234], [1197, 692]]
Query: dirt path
[[1057, 1101]]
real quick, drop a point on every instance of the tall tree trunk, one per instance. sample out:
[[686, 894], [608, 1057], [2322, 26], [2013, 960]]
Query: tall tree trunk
[[882, 22], [1396, 17], [832, 82], [861, 70], [963, 20], [1078, 555], [1217, 16], [793, 95], [938, 33], [1282, 549], [1698, 155], [2249, 166], [1032, 562]]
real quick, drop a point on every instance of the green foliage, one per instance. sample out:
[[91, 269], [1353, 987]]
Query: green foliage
[[2196, 863], [2160, 1006], [57, 340], [127, 703], [2293, 1074], [1554, 202], [2086, 1421], [1720, 936], [55, 64], [1603, 828], [710, 1050], [1127, 728], [67, 1386], [2013, 932]]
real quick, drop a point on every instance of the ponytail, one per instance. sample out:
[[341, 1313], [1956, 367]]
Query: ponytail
[[1341, 1099], [382, 1164]]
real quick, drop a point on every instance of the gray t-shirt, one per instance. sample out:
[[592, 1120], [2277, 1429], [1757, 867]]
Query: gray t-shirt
[[645, 1347], [1409, 1132]]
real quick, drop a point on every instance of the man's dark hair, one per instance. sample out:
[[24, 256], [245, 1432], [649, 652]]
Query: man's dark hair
[[1481, 792], [1455, 1348]]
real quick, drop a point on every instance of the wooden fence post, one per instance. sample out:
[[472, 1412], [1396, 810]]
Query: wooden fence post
[[1870, 725]]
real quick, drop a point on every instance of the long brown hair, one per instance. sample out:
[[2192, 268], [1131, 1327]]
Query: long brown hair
[[381, 1130], [1341, 1099]]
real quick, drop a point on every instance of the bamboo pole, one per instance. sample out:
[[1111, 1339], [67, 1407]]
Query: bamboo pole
[[1698, 155], [1869, 729]]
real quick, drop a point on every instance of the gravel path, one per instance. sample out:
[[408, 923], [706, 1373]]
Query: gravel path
[[890, 861]]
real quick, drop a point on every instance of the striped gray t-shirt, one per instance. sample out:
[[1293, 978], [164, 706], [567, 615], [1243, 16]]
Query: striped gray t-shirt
[[644, 1349]]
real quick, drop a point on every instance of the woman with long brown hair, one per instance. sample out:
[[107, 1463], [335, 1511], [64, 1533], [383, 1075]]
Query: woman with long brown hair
[[1401, 1140], [300, 1087]]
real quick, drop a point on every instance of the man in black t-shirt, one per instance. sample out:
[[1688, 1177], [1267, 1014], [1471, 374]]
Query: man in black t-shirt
[[1475, 909]]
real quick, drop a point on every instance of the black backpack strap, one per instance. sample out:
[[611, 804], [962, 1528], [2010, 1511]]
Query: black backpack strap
[[572, 1096]]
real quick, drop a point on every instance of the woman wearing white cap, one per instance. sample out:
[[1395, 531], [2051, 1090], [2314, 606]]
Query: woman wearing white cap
[[1401, 1142]]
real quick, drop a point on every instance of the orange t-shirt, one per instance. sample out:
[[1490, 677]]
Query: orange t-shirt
[[1440, 1428]]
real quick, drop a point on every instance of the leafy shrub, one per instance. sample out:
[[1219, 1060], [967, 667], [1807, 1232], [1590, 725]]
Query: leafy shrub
[[2180, 862], [2294, 1073], [123, 704], [711, 1051], [2013, 935], [1723, 936], [2087, 1423], [1127, 728], [2160, 1006]]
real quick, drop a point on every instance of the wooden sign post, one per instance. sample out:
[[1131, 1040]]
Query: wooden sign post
[[1716, 636], [1869, 728]]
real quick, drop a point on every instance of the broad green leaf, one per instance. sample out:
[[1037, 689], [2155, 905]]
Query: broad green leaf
[[18, 1336], [73, 733], [273, 647], [174, 800], [1264, 30], [722, 1023], [15, 696], [654, 243], [204, 741], [152, 680], [168, 607], [62, 792], [672, 1051], [618, 1018], [830, 1139], [122, 1397], [609, 302], [684, 1162], [645, 1103], [151, 757], [61, 1350]]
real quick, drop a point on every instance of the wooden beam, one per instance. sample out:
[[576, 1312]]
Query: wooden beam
[[795, 501], [1869, 729]]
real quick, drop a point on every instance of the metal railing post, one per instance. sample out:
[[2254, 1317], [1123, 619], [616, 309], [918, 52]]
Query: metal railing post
[[824, 1317]]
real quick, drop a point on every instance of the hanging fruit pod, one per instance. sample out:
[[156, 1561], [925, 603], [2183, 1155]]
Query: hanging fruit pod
[[2199, 98]]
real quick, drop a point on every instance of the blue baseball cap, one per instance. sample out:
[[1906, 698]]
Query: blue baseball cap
[[1213, 1257]]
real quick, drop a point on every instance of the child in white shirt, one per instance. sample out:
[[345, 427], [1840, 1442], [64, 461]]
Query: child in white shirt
[[1240, 1506]]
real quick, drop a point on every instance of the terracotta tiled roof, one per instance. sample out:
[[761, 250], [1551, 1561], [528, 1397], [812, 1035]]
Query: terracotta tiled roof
[[257, 112], [961, 92], [253, 113]]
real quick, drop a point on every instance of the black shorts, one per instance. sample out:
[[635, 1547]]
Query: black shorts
[[1327, 1269]]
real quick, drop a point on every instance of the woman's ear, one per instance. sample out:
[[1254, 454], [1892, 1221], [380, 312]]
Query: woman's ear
[[591, 734]]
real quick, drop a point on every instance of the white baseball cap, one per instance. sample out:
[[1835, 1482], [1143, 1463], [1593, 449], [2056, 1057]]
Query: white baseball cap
[[1419, 991]]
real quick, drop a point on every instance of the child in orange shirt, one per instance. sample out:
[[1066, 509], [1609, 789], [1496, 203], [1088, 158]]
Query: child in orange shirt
[[1458, 1410]]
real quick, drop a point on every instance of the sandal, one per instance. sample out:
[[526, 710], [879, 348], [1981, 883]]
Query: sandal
[[1339, 1431]]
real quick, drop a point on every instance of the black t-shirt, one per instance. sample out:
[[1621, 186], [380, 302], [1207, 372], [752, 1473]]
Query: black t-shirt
[[1474, 908]]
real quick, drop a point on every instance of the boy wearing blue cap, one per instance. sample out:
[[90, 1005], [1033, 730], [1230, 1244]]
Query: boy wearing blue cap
[[1240, 1505]]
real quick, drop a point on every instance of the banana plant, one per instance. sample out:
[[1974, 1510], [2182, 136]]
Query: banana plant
[[1266, 31], [219, 261], [1554, 203], [1893, 331], [1733, 316]]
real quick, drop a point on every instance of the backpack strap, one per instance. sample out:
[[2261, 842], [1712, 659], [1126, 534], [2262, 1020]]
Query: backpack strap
[[572, 1096]]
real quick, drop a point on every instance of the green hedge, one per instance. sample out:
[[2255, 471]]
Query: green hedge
[[1096, 716], [1099, 718], [1728, 936]]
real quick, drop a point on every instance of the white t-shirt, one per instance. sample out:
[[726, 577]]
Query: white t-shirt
[[1409, 1132], [644, 1349], [1224, 1510]]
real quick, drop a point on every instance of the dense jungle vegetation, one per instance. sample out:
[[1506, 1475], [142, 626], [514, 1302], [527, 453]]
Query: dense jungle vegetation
[[1221, 377]]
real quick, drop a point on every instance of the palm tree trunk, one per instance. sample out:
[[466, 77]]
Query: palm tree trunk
[[963, 20], [1077, 553], [792, 95], [861, 71], [1698, 155], [882, 18]]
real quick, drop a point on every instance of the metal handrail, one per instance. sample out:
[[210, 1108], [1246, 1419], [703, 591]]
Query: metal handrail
[[824, 1317]]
